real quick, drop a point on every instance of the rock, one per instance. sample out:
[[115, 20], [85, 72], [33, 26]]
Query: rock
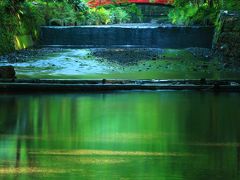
[[7, 72]]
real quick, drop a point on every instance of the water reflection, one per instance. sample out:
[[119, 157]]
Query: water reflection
[[131, 135]]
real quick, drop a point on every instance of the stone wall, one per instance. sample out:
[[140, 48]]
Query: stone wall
[[227, 36]]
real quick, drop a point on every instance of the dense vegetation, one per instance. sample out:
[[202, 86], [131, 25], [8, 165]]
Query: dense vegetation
[[72, 12], [203, 12], [22, 17], [17, 18]]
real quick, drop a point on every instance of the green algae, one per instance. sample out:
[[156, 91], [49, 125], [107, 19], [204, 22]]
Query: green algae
[[82, 64]]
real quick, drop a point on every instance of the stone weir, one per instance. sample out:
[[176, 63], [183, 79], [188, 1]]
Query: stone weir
[[128, 35]]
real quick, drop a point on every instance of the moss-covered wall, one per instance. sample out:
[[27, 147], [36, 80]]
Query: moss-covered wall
[[227, 35]]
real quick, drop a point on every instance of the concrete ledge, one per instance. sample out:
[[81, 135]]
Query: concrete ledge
[[142, 35], [39, 85]]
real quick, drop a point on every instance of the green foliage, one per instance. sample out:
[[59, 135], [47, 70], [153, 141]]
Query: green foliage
[[194, 12], [203, 12], [32, 17], [102, 16], [97, 16], [109, 15], [119, 15], [204, 16], [182, 15], [62, 11], [9, 26], [231, 4], [21, 18], [7, 32], [134, 12], [79, 5], [71, 12]]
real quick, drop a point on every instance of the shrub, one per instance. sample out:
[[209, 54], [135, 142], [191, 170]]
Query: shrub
[[119, 15], [231, 5], [9, 23], [21, 19], [32, 18], [182, 15], [102, 16], [204, 16], [191, 14], [79, 5], [134, 12], [62, 11], [112, 14]]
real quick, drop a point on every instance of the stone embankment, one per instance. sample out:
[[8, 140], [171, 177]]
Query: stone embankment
[[227, 36]]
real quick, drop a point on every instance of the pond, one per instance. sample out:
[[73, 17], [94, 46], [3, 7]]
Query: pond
[[120, 135]]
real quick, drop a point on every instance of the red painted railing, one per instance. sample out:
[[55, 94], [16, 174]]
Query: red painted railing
[[95, 3]]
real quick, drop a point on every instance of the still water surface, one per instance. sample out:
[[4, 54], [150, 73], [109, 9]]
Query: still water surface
[[123, 135]]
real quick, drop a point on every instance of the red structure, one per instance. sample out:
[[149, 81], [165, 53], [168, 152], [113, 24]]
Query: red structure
[[95, 3]]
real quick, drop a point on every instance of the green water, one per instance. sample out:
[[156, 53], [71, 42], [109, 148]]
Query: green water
[[122, 135]]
